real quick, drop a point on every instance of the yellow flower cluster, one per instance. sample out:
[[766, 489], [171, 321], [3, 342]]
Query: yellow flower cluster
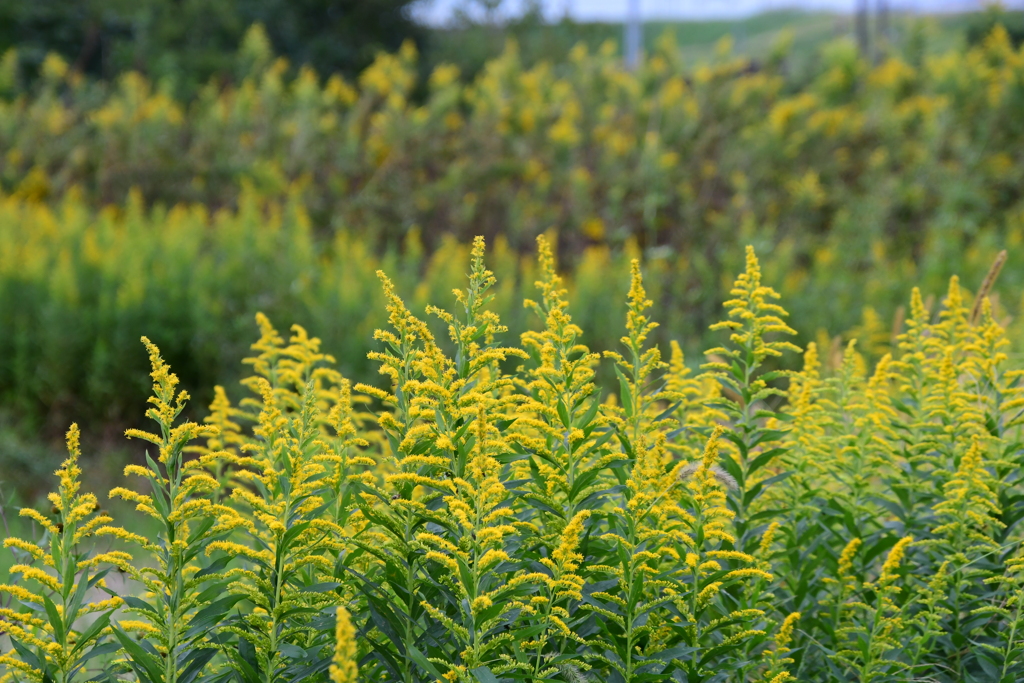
[[607, 153], [494, 511], [64, 567]]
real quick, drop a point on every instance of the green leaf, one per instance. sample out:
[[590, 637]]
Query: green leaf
[[763, 459], [625, 393], [76, 601], [146, 667], [204, 525], [27, 655], [290, 535], [292, 651], [214, 567], [212, 591], [69, 578], [583, 481], [197, 659], [137, 604], [563, 413], [55, 620], [89, 634], [98, 651], [465, 574], [767, 435], [484, 674], [668, 412], [422, 661], [210, 615], [56, 553], [589, 416], [627, 446], [322, 587]]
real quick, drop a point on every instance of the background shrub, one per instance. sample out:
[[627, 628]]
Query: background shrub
[[284, 193]]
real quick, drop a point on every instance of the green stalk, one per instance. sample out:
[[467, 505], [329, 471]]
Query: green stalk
[[410, 580], [629, 569], [174, 569], [1013, 633], [275, 603]]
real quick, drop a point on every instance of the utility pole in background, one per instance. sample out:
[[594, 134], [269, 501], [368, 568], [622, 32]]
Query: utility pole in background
[[860, 14], [882, 37], [634, 35]]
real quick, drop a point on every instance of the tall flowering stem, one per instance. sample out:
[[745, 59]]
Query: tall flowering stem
[[739, 366], [444, 504], [717, 633], [178, 585], [50, 646]]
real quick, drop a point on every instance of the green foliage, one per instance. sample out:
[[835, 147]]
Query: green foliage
[[188, 43], [49, 641], [493, 513], [995, 15], [182, 598], [284, 192]]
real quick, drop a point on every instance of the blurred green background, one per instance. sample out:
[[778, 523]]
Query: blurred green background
[[170, 168]]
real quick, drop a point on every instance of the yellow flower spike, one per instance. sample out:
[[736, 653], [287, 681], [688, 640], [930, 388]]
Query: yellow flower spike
[[708, 592], [480, 603], [955, 316], [343, 664], [847, 556], [894, 559], [752, 316], [20, 593], [62, 563], [912, 341], [768, 538], [30, 548], [785, 635], [167, 402], [637, 323], [969, 510], [565, 554]]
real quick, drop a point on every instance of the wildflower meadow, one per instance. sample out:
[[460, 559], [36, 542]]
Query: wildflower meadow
[[124, 211], [486, 513], [569, 373]]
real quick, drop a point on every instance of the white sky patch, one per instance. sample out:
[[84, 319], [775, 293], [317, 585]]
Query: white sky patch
[[439, 12]]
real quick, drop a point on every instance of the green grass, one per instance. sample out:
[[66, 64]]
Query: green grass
[[470, 46]]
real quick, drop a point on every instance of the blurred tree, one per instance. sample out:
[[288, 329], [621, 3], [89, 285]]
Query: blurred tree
[[190, 41], [479, 29], [335, 35], [84, 32], [982, 24]]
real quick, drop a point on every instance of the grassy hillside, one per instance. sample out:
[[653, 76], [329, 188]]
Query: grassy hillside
[[755, 36]]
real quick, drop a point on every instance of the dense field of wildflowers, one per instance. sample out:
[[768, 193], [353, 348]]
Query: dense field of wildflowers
[[486, 513], [667, 154], [447, 485], [284, 192]]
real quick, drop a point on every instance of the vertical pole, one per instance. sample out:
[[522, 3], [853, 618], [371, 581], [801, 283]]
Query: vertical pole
[[861, 18], [882, 28], [634, 35]]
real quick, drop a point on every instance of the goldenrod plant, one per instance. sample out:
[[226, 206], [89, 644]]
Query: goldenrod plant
[[754, 321], [178, 597], [62, 622], [494, 512], [872, 623], [1001, 654]]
